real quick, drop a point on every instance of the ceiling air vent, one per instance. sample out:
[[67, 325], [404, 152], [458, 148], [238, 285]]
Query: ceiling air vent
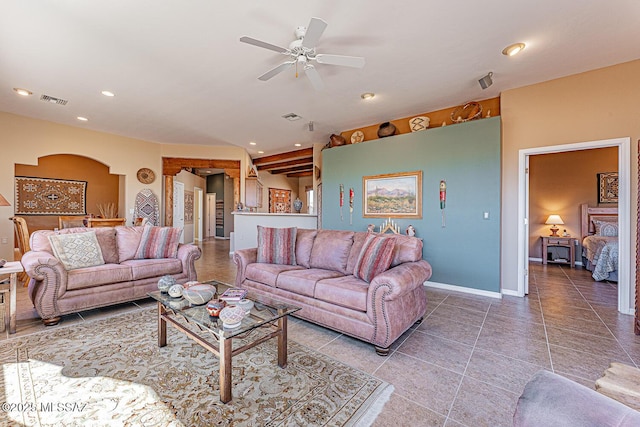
[[53, 100], [292, 117]]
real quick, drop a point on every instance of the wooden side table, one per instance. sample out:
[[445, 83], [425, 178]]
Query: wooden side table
[[12, 268], [559, 242]]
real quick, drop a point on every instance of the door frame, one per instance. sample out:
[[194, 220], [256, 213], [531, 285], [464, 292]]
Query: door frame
[[198, 222], [625, 287]]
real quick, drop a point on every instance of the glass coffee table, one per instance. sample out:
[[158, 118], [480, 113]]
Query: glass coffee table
[[267, 319]]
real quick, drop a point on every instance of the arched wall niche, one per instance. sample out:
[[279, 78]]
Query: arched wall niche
[[102, 186]]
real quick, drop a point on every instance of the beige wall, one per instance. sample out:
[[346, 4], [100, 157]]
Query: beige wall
[[558, 184], [276, 181], [596, 105], [24, 140]]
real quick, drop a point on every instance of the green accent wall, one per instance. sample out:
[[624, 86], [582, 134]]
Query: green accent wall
[[466, 252]]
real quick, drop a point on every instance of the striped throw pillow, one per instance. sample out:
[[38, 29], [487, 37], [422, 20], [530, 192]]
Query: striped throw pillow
[[375, 257], [277, 245], [159, 242]]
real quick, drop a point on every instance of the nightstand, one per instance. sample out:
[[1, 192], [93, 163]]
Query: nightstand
[[559, 242]]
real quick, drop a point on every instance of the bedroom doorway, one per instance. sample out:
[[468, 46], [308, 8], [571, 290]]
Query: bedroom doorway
[[623, 145]]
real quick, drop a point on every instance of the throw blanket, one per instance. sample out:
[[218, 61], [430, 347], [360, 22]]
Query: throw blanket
[[602, 253]]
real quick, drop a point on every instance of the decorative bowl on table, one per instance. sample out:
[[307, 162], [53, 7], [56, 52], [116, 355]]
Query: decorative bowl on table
[[165, 283], [245, 304], [215, 306], [198, 294], [232, 316], [175, 291]]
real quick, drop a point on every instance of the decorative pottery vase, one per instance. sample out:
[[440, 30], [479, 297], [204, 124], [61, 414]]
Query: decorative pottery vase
[[297, 205], [215, 306], [386, 129], [246, 305], [336, 140], [411, 231], [231, 316], [165, 283], [198, 294], [175, 291]]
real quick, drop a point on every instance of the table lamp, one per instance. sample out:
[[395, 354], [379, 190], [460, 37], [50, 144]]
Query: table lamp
[[554, 221], [3, 201]]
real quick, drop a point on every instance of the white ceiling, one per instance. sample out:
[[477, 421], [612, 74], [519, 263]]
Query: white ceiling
[[181, 75]]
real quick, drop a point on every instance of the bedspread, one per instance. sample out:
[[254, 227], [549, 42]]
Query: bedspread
[[602, 253]]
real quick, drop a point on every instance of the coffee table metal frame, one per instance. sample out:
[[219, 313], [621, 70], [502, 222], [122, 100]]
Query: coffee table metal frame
[[180, 314]]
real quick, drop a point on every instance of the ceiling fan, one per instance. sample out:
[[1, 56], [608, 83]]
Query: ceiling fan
[[302, 52]]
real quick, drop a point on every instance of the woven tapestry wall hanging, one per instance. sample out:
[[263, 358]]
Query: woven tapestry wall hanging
[[188, 207], [45, 196], [279, 200], [608, 187]]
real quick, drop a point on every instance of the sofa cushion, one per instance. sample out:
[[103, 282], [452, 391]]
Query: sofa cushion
[[358, 240], [153, 267], [407, 249], [303, 282], [99, 275], [304, 243], [267, 273], [346, 291], [331, 250], [276, 245], [128, 240], [375, 257], [39, 241], [159, 242], [77, 250]]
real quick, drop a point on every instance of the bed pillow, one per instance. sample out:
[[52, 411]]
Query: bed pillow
[[605, 228], [375, 257], [159, 242], [77, 250], [276, 245]]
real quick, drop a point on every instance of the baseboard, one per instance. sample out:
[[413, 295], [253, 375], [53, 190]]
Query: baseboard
[[510, 292], [463, 289]]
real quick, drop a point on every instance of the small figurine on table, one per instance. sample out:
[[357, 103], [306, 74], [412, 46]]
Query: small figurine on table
[[411, 232]]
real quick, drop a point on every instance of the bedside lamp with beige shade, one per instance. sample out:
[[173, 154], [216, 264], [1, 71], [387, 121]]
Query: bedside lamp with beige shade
[[554, 221]]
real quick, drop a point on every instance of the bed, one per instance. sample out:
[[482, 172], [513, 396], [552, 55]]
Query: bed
[[599, 231]]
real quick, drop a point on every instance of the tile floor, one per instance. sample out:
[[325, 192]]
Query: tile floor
[[467, 363]]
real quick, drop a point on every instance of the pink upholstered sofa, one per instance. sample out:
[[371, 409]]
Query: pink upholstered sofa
[[323, 284], [56, 291]]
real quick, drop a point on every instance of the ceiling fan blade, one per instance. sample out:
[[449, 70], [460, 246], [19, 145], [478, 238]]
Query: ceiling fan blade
[[347, 61], [264, 45], [280, 68], [314, 77], [314, 31]]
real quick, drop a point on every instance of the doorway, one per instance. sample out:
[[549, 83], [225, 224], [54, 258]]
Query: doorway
[[178, 207], [197, 213], [211, 215], [624, 152]]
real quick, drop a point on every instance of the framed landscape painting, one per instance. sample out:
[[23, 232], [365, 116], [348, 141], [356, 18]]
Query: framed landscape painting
[[393, 195]]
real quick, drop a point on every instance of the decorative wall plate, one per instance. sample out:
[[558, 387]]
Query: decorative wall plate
[[357, 137], [146, 176], [466, 112], [419, 123]]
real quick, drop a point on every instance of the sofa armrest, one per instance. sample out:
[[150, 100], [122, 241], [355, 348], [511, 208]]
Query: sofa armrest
[[242, 258], [188, 254], [48, 281], [401, 279], [549, 399]]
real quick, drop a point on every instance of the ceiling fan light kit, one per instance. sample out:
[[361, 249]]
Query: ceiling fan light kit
[[302, 51]]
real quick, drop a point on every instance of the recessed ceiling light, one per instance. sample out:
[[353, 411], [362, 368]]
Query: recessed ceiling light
[[252, 143], [367, 96], [22, 92], [298, 145], [260, 152], [108, 93], [513, 49], [82, 119]]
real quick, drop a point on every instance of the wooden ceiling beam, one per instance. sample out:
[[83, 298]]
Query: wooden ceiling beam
[[306, 152], [172, 165], [299, 174], [298, 162], [294, 169]]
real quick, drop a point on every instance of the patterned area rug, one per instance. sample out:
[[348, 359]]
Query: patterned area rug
[[111, 372]]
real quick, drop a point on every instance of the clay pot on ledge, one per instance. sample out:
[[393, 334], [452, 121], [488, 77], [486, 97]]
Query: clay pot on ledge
[[386, 129]]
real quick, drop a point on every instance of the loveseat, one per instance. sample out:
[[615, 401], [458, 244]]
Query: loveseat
[[328, 279], [76, 275]]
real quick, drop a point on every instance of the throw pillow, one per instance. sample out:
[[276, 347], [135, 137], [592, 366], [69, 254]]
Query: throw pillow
[[77, 250], [375, 257], [159, 242], [277, 245], [605, 228]]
